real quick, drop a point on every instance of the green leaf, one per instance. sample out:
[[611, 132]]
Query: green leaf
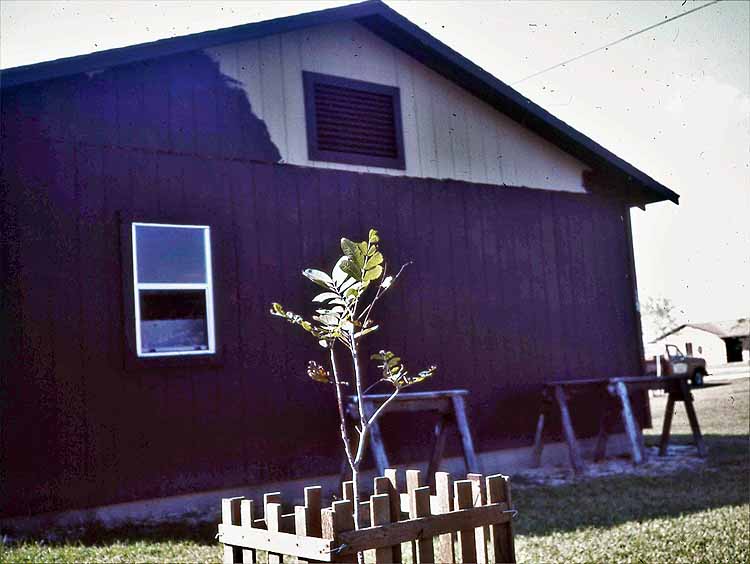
[[373, 237], [327, 319], [356, 252], [373, 274], [423, 375], [325, 296], [351, 269], [319, 277], [294, 319], [374, 260], [349, 248], [366, 331], [339, 276]]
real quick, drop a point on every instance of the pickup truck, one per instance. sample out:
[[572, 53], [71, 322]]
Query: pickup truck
[[675, 363]]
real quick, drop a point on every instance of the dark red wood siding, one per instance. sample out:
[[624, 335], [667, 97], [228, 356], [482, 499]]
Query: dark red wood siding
[[510, 288]]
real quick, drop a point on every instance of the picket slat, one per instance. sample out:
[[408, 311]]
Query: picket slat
[[247, 510], [273, 522], [392, 475], [380, 514], [347, 490], [501, 536], [481, 534], [445, 552], [425, 549], [313, 495], [230, 515], [466, 540], [413, 480], [302, 524]]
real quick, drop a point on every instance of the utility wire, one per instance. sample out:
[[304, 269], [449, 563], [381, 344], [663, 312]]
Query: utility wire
[[644, 30]]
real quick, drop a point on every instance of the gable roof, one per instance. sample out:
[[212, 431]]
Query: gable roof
[[729, 328], [724, 329], [403, 34]]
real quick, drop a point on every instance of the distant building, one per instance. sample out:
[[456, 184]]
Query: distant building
[[719, 342]]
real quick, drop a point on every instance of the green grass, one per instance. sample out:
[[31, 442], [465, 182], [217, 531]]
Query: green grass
[[698, 516], [714, 535]]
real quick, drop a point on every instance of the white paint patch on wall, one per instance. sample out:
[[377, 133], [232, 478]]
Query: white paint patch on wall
[[448, 133]]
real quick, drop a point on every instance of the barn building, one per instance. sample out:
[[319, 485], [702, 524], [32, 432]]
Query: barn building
[[157, 198], [718, 342]]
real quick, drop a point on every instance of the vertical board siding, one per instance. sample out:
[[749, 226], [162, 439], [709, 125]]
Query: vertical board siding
[[509, 288], [448, 133]]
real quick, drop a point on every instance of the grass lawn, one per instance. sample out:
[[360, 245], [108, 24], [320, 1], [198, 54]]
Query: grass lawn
[[701, 516]]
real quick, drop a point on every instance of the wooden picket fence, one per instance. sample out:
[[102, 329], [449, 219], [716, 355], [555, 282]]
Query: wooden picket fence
[[474, 512]]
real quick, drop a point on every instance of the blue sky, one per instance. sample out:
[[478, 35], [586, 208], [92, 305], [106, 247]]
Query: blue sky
[[674, 101]]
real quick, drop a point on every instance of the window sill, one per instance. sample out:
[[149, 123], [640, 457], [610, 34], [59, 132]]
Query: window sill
[[135, 363]]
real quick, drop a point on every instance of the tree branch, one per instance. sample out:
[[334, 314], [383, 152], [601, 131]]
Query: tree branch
[[366, 312], [342, 415], [371, 386], [382, 407], [358, 381], [368, 424]]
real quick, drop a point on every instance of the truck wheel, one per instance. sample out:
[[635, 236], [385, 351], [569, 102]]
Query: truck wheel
[[698, 378]]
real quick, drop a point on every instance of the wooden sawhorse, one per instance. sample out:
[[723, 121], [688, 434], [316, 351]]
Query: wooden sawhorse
[[451, 406], [611, 392]]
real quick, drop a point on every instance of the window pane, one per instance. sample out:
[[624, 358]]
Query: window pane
[[173, 320], [170, 254]]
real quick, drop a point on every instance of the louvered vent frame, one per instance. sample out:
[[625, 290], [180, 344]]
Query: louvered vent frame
[[353, 122]]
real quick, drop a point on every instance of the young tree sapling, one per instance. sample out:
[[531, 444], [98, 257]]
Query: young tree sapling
[[344, 315]]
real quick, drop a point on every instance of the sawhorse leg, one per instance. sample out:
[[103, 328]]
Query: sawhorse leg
[[683, 394], [440, 435], [667, 426], [631, 425], [536, 453], [605, 422], [687, 399], [576, 461], [544, 413], [462, 422]]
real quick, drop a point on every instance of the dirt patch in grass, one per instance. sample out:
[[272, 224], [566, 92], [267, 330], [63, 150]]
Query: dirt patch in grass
[[679, 458]]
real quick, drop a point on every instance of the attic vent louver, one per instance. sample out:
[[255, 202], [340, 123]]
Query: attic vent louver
[[353, 122]]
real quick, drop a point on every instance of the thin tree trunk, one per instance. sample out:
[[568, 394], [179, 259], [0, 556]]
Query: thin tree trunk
[[347, 447]]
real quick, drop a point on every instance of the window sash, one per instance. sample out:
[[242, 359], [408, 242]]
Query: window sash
[[207, 287]]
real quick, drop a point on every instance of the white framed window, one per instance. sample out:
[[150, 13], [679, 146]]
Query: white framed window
[[173, 292]]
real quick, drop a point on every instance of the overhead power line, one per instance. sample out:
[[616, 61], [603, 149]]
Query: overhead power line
[[644, 30]]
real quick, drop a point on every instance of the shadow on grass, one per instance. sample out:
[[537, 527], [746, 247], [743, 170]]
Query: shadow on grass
[[606, 502], [96, 534], [712, 384]]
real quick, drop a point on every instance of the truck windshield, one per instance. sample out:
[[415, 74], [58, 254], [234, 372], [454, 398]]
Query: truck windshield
[[674, 352]]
